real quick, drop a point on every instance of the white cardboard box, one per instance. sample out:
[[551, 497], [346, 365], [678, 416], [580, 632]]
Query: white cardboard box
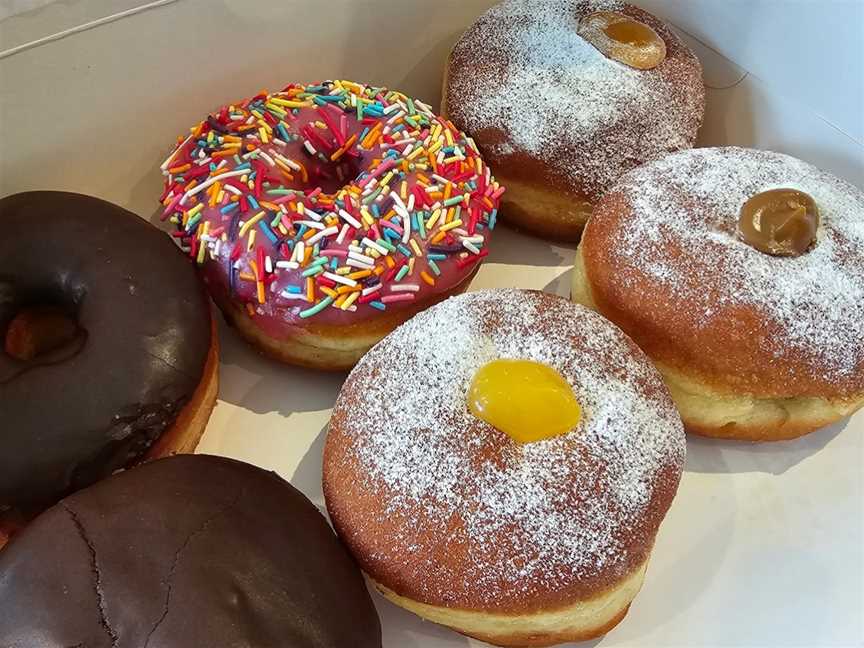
[[763, 545]]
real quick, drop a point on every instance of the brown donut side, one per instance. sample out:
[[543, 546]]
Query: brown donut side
[[544, 198], [350, 508], [596, 617], [181, 437]]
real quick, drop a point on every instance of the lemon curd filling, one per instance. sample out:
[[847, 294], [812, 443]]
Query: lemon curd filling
[[623, 39], [527, 400]]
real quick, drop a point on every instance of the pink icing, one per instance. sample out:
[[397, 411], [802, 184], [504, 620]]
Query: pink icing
[[272, 182]]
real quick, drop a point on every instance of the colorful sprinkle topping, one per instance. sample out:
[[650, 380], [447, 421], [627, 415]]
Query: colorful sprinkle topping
[[331, 196]]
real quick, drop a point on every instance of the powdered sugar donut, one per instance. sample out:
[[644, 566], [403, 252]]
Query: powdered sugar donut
[[516, 544], [752, 346], [559, 120], [324, 215]]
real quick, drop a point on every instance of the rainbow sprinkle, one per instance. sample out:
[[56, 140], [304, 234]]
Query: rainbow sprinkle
[[331, 196]]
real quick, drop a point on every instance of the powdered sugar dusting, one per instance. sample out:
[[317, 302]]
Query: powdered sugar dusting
[[523, 71], [533, 516], [815, 301]]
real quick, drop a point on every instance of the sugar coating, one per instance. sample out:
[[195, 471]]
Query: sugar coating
[[533, 517], [815, 301], [523, 70]]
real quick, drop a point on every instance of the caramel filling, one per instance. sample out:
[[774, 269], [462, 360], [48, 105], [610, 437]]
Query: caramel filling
[[527, 400], [780, 222], [623, 39]]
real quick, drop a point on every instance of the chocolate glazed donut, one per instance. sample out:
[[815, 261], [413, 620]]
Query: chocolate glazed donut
[[192, 551], [141, 343]]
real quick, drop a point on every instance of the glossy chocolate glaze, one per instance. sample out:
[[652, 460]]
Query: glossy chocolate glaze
[[77, 414], [192, 550]]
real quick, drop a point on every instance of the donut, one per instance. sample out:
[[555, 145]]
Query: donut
[[109, 356], [557, 97], [323, 216], [758, 340], [514, 543], [192, 550]]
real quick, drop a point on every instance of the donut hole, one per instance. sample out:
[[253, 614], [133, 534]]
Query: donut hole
[[330, 176], [40, 330]]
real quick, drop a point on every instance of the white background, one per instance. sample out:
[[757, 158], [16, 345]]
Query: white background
[[763, 545]]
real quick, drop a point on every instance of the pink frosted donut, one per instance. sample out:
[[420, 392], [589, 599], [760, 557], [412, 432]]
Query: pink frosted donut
[[323, 216]]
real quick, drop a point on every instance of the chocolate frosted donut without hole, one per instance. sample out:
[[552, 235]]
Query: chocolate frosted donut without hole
[[193, 550], [758, 331], [516, 544], [139, 374], [558, 119]]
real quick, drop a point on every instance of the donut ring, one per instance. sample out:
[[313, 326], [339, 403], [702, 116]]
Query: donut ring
[[752, 346], [513, 544], [559, 121], [323, 216], [141, 380]]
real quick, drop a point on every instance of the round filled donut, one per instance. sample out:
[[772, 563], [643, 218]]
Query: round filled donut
[[192, 550], [741, 274], [109, 355], [528, 536], [565, 96], [323, 216]]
